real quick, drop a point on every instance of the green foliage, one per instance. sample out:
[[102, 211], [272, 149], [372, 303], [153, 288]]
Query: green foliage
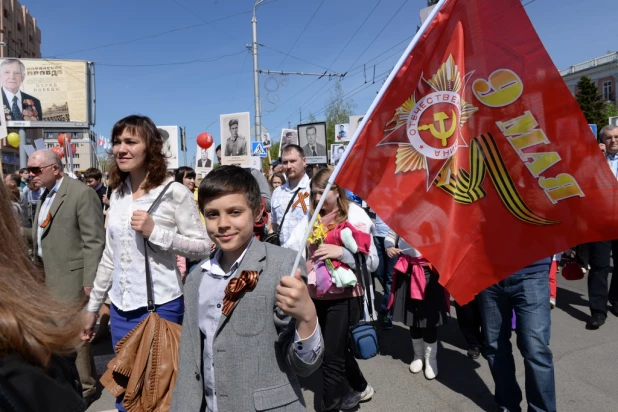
[[311, 118], [338, 110], [610, 110], [591, 102], [274, 150]]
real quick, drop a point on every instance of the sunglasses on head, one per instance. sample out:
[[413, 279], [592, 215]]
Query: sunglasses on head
[[37, 170]]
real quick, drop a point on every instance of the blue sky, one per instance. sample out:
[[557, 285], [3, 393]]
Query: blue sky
[[193, 95]]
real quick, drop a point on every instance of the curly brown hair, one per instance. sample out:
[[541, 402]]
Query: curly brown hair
[[155, 162]]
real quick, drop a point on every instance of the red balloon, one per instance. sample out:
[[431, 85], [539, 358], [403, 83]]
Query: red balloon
[[58, 151], [73, 149], [204, 140], [62, 138]]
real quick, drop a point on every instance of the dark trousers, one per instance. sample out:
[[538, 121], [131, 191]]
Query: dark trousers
[[599, 254], [470, 324], [384, 272], [339, 367]]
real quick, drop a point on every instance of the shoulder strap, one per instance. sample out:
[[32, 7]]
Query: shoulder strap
[[150, 295], [288, 208]]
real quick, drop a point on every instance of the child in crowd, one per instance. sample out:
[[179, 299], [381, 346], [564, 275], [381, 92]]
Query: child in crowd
[[249, 328], [418, 301]]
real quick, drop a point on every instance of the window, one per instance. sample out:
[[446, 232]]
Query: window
[[76, 156], [6, 13], [607, 91], [75, 165]]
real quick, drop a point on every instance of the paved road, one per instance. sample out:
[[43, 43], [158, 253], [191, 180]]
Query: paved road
[[585, 361]]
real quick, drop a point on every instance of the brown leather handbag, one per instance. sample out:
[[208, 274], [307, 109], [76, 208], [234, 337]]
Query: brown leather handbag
[[146, 362]]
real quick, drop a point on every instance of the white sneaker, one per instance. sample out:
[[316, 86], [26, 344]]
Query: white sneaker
[[352, 399]]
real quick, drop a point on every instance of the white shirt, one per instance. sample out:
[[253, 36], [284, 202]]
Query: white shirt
[[613, 163], [210, 298], [178, 230], [296, 215], [9, 98], [43, 211]]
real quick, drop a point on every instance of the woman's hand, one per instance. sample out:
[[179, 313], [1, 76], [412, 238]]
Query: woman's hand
[[142, 223], [326, 251], [105, 200], [391, 252], [90, 319]]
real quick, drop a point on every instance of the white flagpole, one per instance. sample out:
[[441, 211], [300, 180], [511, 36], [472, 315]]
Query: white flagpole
[[372, 108]]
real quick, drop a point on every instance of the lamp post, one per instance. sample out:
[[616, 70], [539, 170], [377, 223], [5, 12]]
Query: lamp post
[[256, 81]]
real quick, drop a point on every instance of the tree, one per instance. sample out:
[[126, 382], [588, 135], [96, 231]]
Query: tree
[[610, 110], [338, 111], [591, 102]]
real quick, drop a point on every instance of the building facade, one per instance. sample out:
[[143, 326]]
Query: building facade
[[603, 71], [85, 144]]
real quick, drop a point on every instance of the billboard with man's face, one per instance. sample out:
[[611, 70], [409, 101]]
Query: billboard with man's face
[[46, 93]]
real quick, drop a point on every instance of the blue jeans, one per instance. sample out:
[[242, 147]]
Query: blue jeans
[[528, 296], [384, 272]]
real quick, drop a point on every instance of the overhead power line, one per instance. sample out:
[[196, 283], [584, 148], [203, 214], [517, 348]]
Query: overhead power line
[[301, 33], [213, 59], [155, 35], [191, 12]]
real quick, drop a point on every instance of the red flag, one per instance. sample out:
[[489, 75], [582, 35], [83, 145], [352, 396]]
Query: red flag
[[476, 152]]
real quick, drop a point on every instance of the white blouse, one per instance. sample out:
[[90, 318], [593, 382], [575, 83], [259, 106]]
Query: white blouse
[[178, 230]]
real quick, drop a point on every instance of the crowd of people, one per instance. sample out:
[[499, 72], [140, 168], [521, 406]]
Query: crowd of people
[[220, 250]]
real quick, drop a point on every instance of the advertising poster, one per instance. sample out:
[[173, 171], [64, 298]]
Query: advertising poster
[[45, 93]]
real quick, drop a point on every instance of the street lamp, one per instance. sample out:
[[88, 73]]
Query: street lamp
[[256, 81]]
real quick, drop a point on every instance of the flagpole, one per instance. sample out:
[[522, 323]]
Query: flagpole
[[372, 108]]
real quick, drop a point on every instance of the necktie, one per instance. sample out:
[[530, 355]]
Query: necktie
[[15, 112], [236, 288], [313, 150]]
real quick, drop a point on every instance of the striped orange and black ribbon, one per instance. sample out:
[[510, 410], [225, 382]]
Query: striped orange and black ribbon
[[466, 187], [236, 289]]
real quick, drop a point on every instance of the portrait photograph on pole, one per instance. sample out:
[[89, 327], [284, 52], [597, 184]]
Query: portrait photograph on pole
[[355, 121], [235, 141], [342, 132], [171, 137], [266, 141], [336, 152], [46, 93], [288, 136], [312, 138], [204, 160]]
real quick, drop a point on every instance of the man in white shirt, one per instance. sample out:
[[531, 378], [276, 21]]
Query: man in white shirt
[[17, 105], [294, 162]]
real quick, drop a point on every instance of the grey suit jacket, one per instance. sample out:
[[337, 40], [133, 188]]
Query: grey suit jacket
[[320, 149], [254, 357], [74, 240]]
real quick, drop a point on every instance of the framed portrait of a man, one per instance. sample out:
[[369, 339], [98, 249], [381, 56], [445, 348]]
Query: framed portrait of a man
[[312, 138], [336, 152], [288, 136], [342, 132], [204, 160], [171, 138], [355, 122], [235, 141], [266, 142]]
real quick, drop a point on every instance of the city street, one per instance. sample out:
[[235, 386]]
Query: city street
[[585, 365]]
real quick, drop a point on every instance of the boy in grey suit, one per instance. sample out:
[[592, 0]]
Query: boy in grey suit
[[249, 329]]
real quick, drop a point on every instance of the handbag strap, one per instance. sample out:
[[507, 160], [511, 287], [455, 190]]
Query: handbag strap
[[361, 263], [288, 208], [151, 305]]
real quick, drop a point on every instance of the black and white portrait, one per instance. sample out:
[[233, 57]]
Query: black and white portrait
[[355, 122], [336, 152], [235, 139], [266, 142], [288, 136], [312, 138], [171, 136], [204, 160]]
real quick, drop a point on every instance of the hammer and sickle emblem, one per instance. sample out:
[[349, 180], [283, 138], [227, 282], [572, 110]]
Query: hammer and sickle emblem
[[440, 133]]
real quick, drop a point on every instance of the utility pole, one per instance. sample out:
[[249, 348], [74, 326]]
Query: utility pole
[[256, 80]]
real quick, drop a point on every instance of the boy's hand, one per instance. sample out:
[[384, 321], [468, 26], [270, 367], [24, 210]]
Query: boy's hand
[[294, 300]]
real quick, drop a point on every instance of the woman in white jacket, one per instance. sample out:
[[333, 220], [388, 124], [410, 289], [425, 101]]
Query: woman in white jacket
[[138, 177]]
